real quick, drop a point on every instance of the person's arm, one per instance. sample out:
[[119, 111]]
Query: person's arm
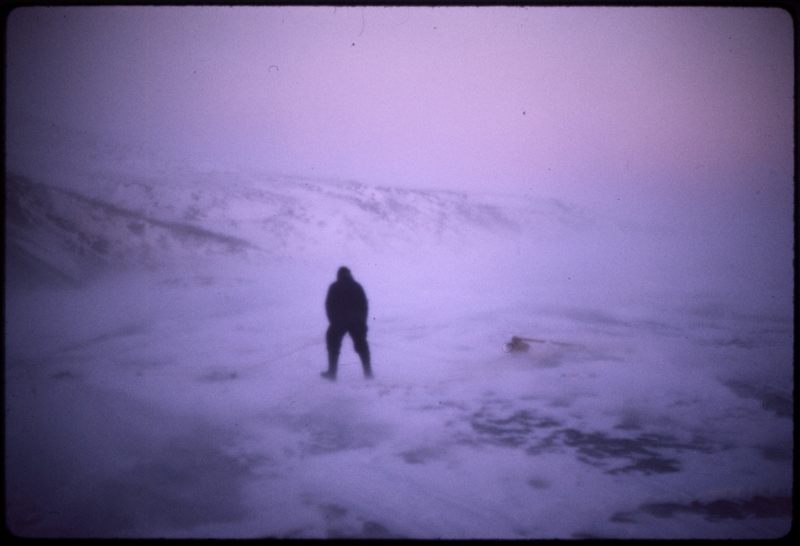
[[363, 305]]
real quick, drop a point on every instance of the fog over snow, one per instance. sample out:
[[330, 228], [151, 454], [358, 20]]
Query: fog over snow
[[613, 184]]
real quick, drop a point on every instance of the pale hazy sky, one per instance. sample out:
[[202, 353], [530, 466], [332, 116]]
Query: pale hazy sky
[[633, 101]]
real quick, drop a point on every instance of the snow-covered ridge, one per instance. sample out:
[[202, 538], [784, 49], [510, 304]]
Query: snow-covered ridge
[[271, 211], [70, 235], [125, 221], [80, 203]]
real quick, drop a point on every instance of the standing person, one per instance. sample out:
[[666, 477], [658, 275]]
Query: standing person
[[346, 307]]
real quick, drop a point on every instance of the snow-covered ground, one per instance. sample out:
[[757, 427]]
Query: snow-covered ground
[[162, 370]]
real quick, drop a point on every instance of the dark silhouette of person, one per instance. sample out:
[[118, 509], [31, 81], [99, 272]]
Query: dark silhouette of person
[[346, 307]]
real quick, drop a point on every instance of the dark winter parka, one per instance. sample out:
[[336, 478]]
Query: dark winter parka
[[346, 302]]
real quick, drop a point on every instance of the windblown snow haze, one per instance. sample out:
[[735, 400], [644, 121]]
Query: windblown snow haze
[[612, 185]]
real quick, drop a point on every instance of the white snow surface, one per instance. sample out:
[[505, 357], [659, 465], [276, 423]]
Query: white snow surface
[[172, 389]]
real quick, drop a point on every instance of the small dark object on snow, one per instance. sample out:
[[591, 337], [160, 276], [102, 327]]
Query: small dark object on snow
[[522, 344], [516, 345]]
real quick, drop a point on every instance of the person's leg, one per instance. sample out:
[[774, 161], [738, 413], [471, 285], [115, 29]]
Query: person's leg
[[359, 335], [333, 339]]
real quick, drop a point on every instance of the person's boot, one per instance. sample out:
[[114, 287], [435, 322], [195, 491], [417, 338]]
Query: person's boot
[[367, 370], [331, 373]]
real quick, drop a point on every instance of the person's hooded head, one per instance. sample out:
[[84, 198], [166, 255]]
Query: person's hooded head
[[344, 274]]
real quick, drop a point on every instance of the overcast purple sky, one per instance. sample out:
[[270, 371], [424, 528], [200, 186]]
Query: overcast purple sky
[[573, 100]]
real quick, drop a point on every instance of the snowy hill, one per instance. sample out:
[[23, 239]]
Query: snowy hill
[[125, 222], [60, 234]]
